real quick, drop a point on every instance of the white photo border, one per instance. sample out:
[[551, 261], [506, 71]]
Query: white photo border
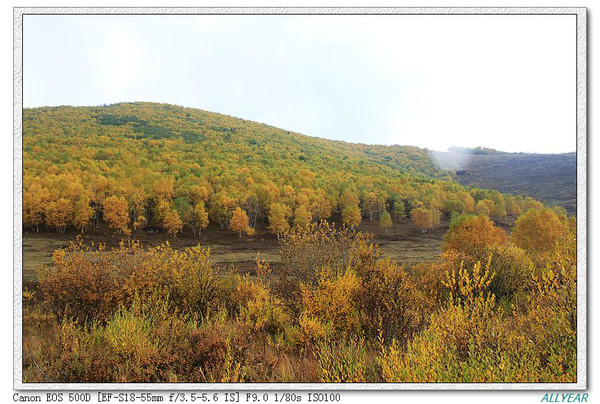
[[581, 131]]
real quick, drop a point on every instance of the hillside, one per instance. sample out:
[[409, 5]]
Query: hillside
[[550, 178], [135, 165]]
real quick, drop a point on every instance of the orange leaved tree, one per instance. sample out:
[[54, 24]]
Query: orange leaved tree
[[239, 221], [472, 234], [116, 213]]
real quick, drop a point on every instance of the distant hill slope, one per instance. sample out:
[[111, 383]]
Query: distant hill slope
[[550, 178], [165, 166], [225, 138]]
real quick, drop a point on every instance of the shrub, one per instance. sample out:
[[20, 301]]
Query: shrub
[[261, 311], [81, 286], [333, 301], [341, 362], [472, 340], [195, 287], [513, 270], [87, 283], [387, 299], [305, 250]]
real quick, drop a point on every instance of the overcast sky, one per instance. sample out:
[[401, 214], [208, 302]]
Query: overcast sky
[[506, 82]]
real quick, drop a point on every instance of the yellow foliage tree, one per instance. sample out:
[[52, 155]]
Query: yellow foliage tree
[[472, 234], [59, 213], [82, 213], [172, 222], [302, 217], [422, 218], [351, 215], [278, 218], [385, 221], [116, 213], [485, 207], [163, 189], [538, 230], [199, 217], [34, 201], [239, 221]]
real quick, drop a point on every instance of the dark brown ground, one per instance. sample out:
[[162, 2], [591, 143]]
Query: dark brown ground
[[404, 242]]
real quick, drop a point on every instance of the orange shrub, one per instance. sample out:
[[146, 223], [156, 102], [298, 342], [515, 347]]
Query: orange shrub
[[87, 283], [388, 300]]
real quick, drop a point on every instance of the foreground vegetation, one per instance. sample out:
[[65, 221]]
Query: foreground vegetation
[[489, 309]]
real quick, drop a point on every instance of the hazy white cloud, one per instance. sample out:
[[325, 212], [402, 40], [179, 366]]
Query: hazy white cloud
[[506, 82], [116, 62]]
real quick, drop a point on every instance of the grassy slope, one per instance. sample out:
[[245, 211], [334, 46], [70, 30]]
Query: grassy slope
[[550, 178]]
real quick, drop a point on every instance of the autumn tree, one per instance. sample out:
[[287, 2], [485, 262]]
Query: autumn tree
[[278, 218], [172, 222], [116, 213], [199, 217], [82, 213], [34, 205], [422, 218], [351, 215], [399, 209], [538, 230], [468, 200], [530, 203], [499, 209], [163, 190], [485, 207], [162, 208], [139, 222], [239, 221], [512, 207], [385, 221], [471, 234], [221, 206], [302, 216], [184, 210], [348, 198], [453, 206], [59, 214], [199, 193], [373, 205], [137, 207]]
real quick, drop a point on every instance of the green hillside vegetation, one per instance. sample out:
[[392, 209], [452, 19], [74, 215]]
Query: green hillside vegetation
[[140, 165]]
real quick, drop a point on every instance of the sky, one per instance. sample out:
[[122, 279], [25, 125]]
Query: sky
[[434, 81]]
